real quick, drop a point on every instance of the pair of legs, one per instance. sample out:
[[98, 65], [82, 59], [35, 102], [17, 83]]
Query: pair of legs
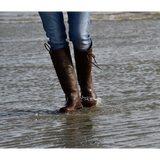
[[79, 22], [53, 24]]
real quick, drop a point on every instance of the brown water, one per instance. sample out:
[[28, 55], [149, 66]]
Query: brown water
[[128, 86]]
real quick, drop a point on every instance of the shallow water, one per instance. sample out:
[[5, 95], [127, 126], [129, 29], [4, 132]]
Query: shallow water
[[128, 87]]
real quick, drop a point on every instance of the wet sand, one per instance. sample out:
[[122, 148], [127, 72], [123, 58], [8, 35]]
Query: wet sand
[[128, 88]]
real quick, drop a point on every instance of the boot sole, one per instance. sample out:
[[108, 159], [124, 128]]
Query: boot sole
[[76, 109], [89, 105]]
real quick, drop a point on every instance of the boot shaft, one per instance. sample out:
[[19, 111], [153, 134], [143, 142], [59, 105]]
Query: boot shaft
[[84, 66], [63, 65]]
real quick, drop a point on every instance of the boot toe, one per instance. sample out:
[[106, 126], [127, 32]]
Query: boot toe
[[89, 103], [70, 109], [67, 110]]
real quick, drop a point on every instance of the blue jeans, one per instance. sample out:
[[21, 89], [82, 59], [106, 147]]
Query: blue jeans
[[53, 24]]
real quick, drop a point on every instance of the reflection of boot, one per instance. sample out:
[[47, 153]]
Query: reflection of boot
[[84, 65], [62, 62]]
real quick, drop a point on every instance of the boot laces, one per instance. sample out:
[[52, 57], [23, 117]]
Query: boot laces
[[48, 48], [88, 54], [94, 58]]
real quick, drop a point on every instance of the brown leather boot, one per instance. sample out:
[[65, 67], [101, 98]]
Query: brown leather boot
[[62, 62], [84, 66]]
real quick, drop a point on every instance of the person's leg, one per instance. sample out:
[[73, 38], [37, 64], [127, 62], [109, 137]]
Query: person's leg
[[79, 35], [84, 67], [61, 58], [79, 23], [63, 65], [53, 24]]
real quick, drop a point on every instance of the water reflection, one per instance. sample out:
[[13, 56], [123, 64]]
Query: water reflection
[[76, 132]]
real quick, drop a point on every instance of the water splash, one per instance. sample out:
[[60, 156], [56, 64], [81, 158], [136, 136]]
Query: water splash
[[100, 102]]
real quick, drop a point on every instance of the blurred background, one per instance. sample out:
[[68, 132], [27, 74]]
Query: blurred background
[[93, 11], [31, 15]]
